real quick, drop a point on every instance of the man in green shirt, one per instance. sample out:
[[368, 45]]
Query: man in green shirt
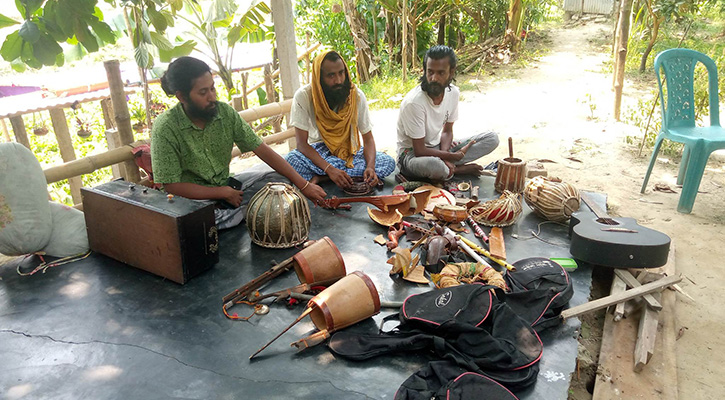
[[191, 143]]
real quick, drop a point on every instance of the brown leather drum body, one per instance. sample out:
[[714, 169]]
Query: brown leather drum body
[[318, 262], [510, 175], [348, 301], [278, 216]]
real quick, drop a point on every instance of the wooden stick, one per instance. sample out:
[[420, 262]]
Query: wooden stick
[[466, 248], [496, 243], [486, 253], [618, 286], [644, 348], [304, 314], [632, 282], [511, 148], [620, 297]]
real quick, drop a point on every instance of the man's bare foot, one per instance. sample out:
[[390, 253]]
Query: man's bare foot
[[469, 169]]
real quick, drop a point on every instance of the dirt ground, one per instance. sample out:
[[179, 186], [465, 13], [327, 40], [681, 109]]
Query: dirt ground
[[547, 109], [559, 109]]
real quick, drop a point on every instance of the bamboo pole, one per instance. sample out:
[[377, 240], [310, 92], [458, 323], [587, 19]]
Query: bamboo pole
[[6, 134], [107, 109], [114, 141], [65, 145], [624, 20], [307, 58], [275, 74], [404, 53], [271, 94], [266, 111], [21, 136], [123, 119]]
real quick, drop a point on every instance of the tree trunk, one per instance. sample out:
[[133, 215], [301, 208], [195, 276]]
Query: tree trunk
[[513, 29], [442, 30], [650, 45], [358, 29], [623, 33]]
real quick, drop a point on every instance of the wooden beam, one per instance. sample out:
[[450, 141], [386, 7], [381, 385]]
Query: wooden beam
[[65, 145], [6, 134], [644, 348], [618, 286], [113, 141], [632, 282], [21, 136], [284, 30], [620, 297], [122, 116]]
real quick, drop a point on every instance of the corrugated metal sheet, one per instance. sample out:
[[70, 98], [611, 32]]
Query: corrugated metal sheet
[[590, 6], [34, 102]]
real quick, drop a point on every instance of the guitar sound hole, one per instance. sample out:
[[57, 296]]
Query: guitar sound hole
[[607, 221]]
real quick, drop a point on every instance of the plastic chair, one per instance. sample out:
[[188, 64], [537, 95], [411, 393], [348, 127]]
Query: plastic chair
[[678, 119]]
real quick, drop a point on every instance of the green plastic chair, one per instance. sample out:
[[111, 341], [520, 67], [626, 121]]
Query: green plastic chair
[[678, 119]]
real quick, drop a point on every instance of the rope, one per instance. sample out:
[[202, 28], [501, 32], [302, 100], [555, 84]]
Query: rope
[[44, 266]]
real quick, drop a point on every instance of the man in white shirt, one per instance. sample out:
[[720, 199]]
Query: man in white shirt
[[426, 148], [329, 116]]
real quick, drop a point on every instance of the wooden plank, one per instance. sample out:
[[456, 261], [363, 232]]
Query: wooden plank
[[618, 298], [658, 379], [107, 109], [67, 153], [644, 348], [496, 244], [618, 286], [21, 136], [632, 282]]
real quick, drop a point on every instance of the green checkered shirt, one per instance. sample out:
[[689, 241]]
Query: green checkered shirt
[[181, 152]]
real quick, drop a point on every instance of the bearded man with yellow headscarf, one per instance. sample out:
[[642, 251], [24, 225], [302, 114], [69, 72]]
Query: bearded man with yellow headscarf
[[330, 115]]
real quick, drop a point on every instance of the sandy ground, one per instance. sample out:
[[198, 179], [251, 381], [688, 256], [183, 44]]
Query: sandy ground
[[547, 108]]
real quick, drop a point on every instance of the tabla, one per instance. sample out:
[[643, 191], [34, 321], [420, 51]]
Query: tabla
[[278, 216], [510, 175]]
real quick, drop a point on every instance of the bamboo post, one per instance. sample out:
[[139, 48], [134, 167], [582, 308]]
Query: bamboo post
[[284, 29], [107, 109], [271, 93], [307, 58], [6, 134], [113, 140], [123, 119], [621, 57], [65, 145], [404, 53], [245, 77], [21, 136]]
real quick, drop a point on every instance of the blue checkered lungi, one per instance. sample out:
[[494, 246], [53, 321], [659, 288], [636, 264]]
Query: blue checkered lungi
[[384, 164]]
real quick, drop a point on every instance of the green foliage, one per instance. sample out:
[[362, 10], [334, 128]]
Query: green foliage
[[47, 23], [330, 28], [387, 91]]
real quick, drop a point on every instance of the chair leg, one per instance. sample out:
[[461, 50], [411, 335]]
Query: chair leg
[[683, 165], [696, 163], [652, 161]]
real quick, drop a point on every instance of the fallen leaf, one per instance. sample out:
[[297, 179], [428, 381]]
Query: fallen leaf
[[380, 239], [662, 187]]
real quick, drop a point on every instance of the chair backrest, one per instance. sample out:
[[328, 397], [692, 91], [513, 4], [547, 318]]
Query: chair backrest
[[679, 67]]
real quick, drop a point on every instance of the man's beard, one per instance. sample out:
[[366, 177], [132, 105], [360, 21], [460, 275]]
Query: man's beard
[[205, 114], [337, 95], [434, 89]]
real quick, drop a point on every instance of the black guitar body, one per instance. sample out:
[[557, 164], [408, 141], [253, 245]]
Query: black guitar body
[[616, 242]]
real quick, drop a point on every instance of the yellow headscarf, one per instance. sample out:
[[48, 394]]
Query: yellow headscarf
[[336, 128]]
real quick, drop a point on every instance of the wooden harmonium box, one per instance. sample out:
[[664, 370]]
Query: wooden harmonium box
[[175, 238]]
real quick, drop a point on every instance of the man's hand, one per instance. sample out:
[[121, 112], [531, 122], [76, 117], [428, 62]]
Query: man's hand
[[458, 155], [232, 196], [371, 178], [340, 177], [314, 193]]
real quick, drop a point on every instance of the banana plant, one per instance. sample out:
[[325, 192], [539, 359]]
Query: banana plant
[[222, 24], [48, 23]]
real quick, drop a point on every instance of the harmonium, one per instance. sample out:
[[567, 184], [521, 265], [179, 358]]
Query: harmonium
[[169, 236]]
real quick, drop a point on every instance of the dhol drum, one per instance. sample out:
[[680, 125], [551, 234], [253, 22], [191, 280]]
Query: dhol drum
[[510, 175], [278, 216], [552, 199]]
